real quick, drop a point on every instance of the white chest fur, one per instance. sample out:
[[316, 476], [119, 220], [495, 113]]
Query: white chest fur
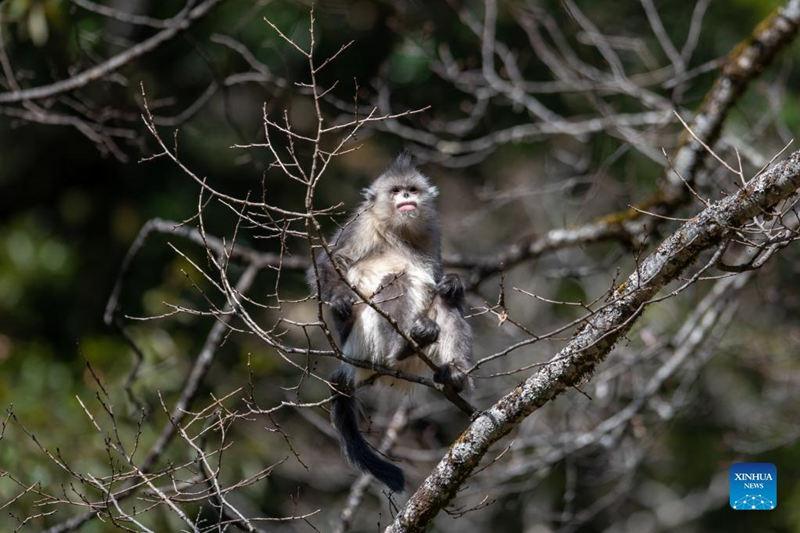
[[365, 342], [368, 273]]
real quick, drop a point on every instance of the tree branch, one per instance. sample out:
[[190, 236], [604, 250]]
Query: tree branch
[[593, 341], [114, 62], [745, 62]]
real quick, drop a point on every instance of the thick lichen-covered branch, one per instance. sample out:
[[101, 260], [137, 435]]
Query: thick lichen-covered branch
[[594, 340]]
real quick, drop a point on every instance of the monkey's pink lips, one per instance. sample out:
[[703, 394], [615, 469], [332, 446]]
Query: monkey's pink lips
[[406, 206]]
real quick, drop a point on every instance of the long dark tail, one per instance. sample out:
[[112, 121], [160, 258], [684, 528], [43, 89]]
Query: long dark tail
[[357, 451]]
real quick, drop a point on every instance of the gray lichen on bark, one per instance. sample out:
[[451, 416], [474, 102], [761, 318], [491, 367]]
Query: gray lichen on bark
[[596, 338]]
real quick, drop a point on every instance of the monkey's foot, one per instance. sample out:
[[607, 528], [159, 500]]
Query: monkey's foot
[[424, 331], [451, 289], [451, 375]]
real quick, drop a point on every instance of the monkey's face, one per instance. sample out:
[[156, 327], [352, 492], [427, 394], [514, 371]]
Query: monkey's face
[[406, 199], [403, 201]]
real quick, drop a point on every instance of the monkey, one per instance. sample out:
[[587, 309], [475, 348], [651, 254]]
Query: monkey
[[390, 250]]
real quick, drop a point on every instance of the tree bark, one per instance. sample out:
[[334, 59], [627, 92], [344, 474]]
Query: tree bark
[[593, 341]]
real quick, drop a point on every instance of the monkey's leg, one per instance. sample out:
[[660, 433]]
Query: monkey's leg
[[335, 291], [396, 301]]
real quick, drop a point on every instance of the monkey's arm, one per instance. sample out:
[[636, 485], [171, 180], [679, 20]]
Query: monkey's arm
[[455, 338], [455, 349], [335, 292]]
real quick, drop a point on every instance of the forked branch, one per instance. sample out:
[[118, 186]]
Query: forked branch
[[593, 341]]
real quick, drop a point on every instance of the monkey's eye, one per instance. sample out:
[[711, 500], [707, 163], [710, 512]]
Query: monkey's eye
[[395, 189], [412, 189]]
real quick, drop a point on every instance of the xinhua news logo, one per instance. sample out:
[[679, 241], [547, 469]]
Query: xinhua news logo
[[753, 486]]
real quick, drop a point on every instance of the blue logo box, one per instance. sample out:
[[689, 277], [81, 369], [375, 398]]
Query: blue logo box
[[753, 486]]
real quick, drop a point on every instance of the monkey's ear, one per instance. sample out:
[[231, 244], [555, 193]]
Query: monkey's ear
[[433, 190], [368, 194]]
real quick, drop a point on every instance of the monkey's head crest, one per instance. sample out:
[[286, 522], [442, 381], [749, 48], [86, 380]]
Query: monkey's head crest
[[402, 198]]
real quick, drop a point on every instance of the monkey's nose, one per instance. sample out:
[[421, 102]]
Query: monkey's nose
[[406, 195]]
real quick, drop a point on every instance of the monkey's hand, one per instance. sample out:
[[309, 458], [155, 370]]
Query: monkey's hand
[[342, 304], [453, 376], [451, 289], [424, 331]]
